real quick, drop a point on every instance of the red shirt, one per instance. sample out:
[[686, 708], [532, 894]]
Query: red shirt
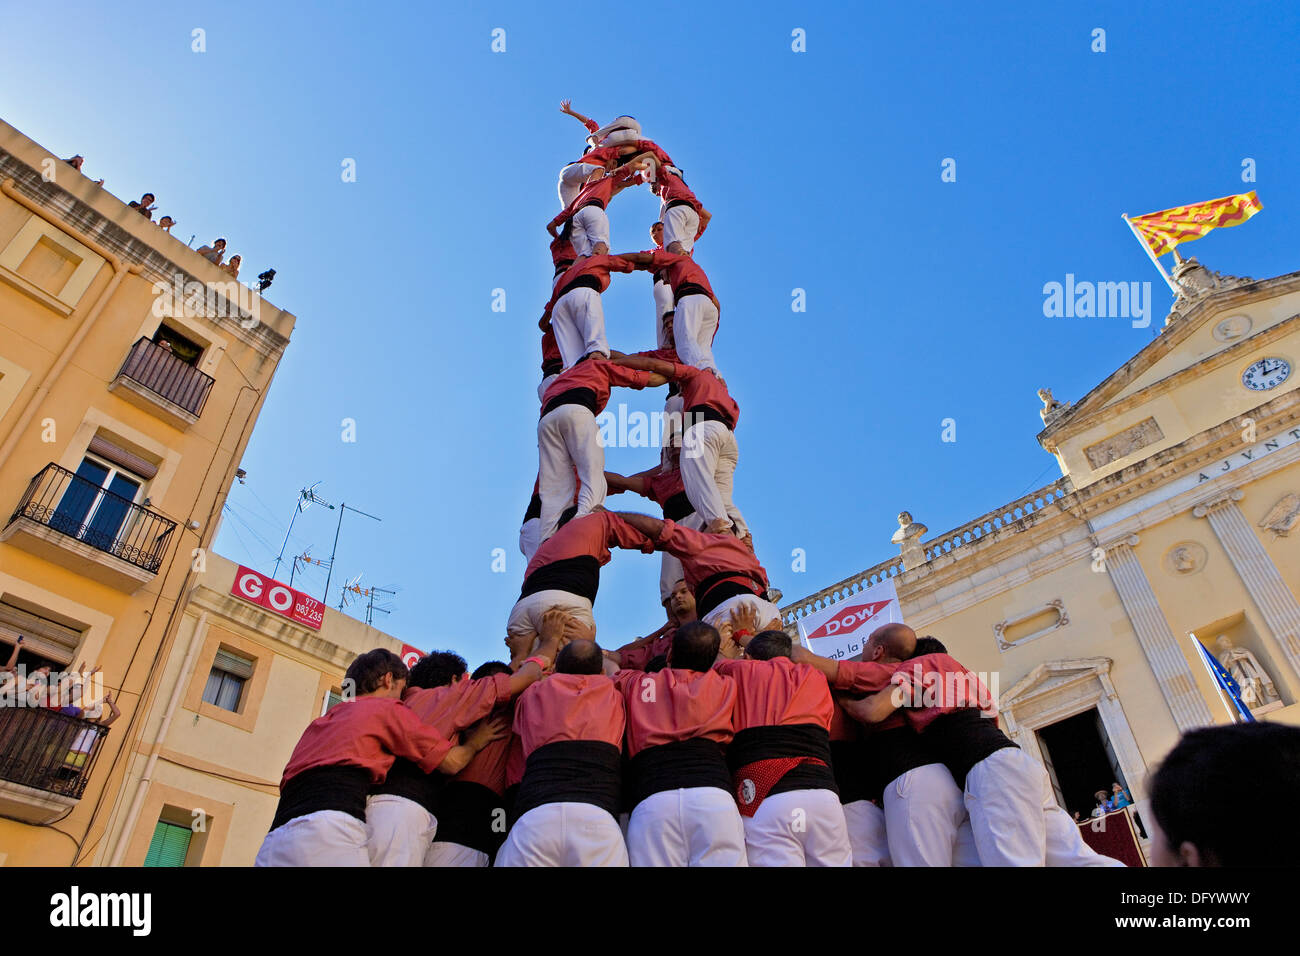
[[591, 534], [599, 375], [704, 555], [552, 360], [938, 684], [601, 191], [671, 188], [701, 387], [673, 705], [488, 766], [650, 146], [454, 707], [639, 656], [778, 693], [598, 266], [663, 355], [679, 271], [562, 251], [368, 732], [570, 707], [663, 485], [600, 155]]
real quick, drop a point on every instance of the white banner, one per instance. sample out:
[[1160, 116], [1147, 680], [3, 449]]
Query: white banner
[[839, 631]]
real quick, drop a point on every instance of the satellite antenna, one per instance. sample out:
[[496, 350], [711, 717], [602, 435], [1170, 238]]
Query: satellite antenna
[[354, 586], [306, 498]]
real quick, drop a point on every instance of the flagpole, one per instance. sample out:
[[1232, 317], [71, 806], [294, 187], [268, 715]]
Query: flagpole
[[1173, 286], [1232, 713]]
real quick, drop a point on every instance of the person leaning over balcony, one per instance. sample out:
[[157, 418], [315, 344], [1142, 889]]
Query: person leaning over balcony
[[321, 816], [214, 252], [1193, 827], [166, 222], [145, 206], [233, 266], [9, 665]]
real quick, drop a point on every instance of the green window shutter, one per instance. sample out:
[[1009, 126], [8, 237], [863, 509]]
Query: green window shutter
[[169, 846]]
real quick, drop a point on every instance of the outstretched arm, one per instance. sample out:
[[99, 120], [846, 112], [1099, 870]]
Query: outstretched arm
[[552, 637], [648, 526], [642, 260], [705, 216], [494, 728], [647, 364], [801, 655], [13, 657], [586, 121], [873, 708]]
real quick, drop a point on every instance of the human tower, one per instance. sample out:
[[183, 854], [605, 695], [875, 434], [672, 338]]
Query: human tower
[[693, 481]]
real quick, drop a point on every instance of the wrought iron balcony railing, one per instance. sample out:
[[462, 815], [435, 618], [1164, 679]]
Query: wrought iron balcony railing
[[160, 371], [81, 509], [48, 750]]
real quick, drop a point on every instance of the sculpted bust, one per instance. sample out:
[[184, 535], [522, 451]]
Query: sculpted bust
[[1052, 408]]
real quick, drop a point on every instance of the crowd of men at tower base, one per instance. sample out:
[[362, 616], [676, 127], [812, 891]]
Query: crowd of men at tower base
[[717, 740]]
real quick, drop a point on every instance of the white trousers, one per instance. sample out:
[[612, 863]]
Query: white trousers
[[709, 458], [1015, 817], [924, 812], [572, 178], [526, 615], [590, 226], [798, 828], [545, 384], [670, 566], [568, 439], [398, 830], [578, 321], [681, 223], [866, 826], [766, 610], [695, 321], [693, 826], [663, 294], [323, 838], [453, 854], [530, 537], [564, 834]]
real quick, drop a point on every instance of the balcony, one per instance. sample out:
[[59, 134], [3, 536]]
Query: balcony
[[46, 758], [68, 520], [154, 379]]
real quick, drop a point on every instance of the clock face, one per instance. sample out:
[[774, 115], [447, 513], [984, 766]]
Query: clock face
[[1266, 373]]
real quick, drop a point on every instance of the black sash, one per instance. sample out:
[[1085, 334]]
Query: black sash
[[697, 762], [852, 776], [585, 397], [962, 739], [534, 508], [580, 576], [582, 282], [689, 288], [717, 588], [678, 507], [408, 780], [679, 202], [467, 814], [795, 740], [707, 413], [572, 771], [339, 788]]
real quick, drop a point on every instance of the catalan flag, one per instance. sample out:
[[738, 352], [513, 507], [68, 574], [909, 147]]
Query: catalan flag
[[1227, 684], [1163, 230]]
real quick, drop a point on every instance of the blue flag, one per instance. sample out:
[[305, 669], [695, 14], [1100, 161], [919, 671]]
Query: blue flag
[[1225, 681]]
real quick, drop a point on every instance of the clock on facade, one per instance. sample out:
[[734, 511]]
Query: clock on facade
[[1266, 373]]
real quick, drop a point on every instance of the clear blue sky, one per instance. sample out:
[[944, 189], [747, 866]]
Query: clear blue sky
[[822, 170]]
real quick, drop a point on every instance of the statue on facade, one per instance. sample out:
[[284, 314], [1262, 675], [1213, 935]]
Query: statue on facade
[[908, 539], [1256, 686], [1282, 517], [1052, 408]]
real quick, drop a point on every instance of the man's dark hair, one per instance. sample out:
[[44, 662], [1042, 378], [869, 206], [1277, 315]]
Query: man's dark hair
[[695, 646], [766, 645], [929, 645], [580, 657], [656, 664], [1189, 789], [489, 669], [437, 669], [366, 672]]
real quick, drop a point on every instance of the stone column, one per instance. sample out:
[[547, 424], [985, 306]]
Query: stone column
[[1256, 569], [1154, 634]]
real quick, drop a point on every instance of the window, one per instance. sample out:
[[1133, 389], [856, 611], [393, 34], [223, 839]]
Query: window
[[333, 697], [97, 502], [225, 686], [185, 349], [45, 641], [169, 846]]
